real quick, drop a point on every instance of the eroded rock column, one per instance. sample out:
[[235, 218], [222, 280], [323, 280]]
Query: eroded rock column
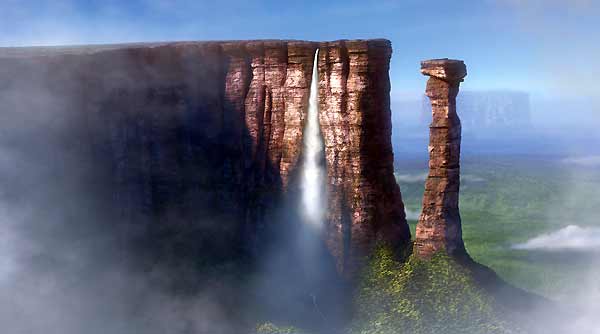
[[439, 227]]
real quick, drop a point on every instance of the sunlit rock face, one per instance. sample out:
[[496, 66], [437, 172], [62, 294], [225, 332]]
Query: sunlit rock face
[[206, 137], [365, 203], [439, 226]]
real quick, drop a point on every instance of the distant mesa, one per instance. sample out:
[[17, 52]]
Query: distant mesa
[[486, 113]]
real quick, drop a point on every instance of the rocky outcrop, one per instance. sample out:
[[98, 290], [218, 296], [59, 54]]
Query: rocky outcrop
[[439, 226], [204, 138]]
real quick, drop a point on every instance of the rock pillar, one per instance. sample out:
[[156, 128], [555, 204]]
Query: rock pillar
[[439, 226]]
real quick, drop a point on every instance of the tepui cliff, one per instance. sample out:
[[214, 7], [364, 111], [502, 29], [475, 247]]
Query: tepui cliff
[[184, 132]]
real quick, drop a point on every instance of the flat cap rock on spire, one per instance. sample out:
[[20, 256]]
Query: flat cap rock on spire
[[444, 69]]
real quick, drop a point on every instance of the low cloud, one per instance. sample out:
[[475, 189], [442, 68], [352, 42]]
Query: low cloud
[[411, 178], [412, 214], [421, 177], [585, 161], [472, 178], [572, 237]]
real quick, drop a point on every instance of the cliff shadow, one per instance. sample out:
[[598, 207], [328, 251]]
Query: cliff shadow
[[133, 162]]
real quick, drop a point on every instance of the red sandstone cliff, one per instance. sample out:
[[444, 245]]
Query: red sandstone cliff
[[197, 131], [364, 199]]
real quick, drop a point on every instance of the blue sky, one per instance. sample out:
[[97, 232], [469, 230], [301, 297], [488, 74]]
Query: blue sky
[[547, 47]]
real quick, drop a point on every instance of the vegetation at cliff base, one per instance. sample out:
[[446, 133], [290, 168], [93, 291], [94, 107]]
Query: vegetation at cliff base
[[436, 296]]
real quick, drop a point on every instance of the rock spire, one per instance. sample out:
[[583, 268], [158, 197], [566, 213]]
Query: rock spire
[[439, 226]]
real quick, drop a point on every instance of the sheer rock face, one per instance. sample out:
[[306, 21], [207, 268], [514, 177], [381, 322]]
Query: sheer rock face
[[207, 136], [364, 200], [439, 226]]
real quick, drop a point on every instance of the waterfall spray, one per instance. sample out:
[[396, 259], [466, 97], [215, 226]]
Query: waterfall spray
[[312, 171]]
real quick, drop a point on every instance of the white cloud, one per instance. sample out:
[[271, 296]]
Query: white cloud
[[472, 178], [585, 161], [411, 178], [421, 177], [412, 214], [572, 237]]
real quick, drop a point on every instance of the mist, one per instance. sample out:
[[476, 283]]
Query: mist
[[64, 266], [411, 178], [571, 236], [412, 214], [584, 161], [72, 260], [70, 264]]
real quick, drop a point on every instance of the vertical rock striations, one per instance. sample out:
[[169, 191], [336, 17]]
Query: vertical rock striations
[[364, 204], [296, 87], [439, 226], [203, 138]]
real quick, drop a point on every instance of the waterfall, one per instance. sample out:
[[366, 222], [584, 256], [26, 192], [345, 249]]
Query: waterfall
[[312, 170]]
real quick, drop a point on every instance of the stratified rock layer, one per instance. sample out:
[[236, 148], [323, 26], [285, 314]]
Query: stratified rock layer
[[364, 200], [206, 137], [439, 226]]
